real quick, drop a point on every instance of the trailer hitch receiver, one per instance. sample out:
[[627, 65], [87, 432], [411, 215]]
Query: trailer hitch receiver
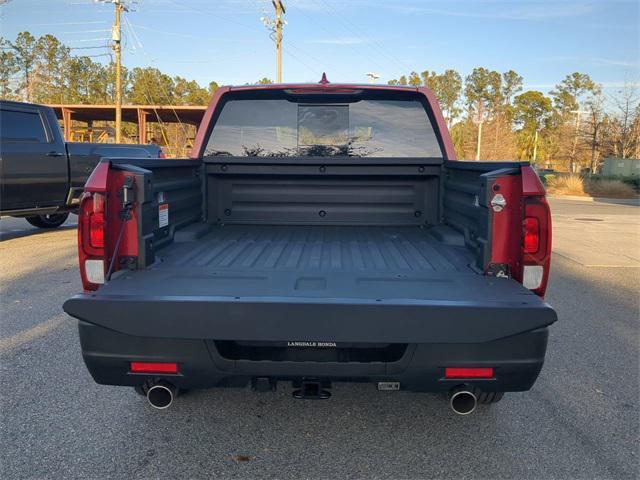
[[311, 389]]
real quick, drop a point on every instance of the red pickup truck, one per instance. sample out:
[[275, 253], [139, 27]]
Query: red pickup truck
[[319, 233]]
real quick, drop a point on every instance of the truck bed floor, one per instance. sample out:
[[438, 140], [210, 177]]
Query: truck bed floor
[[317, 249], [329, 263]]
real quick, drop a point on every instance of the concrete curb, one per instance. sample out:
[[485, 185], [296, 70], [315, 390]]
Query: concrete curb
[[621, 201]]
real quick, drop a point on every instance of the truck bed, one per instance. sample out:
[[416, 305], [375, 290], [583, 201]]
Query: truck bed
[[311, 261]]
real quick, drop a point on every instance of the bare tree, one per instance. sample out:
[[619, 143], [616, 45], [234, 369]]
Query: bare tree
[[627, 109], [594, 126]]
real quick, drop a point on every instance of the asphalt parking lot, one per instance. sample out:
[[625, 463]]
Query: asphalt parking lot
[[581, 419]]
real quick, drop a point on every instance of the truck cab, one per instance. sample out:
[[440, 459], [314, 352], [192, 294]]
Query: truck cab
[[41, 175]]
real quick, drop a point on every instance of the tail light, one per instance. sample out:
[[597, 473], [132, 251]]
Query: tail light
[[91, 239], [536, 244], [536, 233]]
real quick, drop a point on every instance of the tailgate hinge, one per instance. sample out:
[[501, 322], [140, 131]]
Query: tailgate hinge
[[499, 270]]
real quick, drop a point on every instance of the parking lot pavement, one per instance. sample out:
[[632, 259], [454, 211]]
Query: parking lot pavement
[[580, 420], [19, 227], [599, 234]]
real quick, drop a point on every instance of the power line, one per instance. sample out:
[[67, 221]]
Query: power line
[[85, 31], [87, 48], [191, 9], [353, 47], [357, 31], [166, 93]]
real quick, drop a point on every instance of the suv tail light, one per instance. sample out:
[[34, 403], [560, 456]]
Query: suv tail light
[[91, 239]]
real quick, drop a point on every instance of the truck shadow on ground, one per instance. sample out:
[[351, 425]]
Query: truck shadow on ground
[[30, 232]]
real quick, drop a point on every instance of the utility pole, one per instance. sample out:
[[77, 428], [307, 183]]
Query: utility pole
[[117, 48], [277, 4], [116, 34], [535, 146], [479, 140], [276, 34]]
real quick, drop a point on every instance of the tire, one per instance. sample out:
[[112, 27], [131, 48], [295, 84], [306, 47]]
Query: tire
[[48, 221], [486, 398]]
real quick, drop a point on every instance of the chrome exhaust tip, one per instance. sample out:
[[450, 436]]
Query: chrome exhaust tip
[[462, 401], [161, 395]]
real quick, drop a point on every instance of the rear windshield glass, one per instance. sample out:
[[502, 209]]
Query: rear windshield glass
[[365, 128]]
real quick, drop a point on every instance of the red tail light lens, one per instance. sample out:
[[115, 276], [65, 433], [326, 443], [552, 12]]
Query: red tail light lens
[[461, 373], [153, 367], [94, 209], [531, 235], [96, 230]]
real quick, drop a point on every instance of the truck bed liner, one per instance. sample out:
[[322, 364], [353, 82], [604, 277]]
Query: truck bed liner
[[312, 261], [323, 262], [243, 248]]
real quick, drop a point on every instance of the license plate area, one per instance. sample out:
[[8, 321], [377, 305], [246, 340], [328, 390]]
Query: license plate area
[[305, 351]]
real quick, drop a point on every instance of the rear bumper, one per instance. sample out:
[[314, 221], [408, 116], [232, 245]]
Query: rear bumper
[[517, 361]]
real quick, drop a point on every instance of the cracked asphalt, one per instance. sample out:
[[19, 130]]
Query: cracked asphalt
[[580, 420]]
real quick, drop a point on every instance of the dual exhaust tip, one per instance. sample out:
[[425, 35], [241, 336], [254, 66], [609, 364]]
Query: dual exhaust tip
[[161, 395], [462, 400]]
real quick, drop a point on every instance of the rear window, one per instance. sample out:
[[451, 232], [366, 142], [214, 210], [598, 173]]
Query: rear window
[[16, 126], [363, 128]]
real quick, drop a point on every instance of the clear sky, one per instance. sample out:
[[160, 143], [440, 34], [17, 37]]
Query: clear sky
[[225, 41]]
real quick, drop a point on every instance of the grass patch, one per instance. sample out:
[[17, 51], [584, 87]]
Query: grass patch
[[611, 189], [576, 185], [566, 185]]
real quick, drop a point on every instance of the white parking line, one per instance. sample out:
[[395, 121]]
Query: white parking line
[[26, 336]]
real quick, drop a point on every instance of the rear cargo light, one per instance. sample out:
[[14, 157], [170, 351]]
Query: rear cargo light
[[461, 373], [153, 367], [531, 234], [322, 90]]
